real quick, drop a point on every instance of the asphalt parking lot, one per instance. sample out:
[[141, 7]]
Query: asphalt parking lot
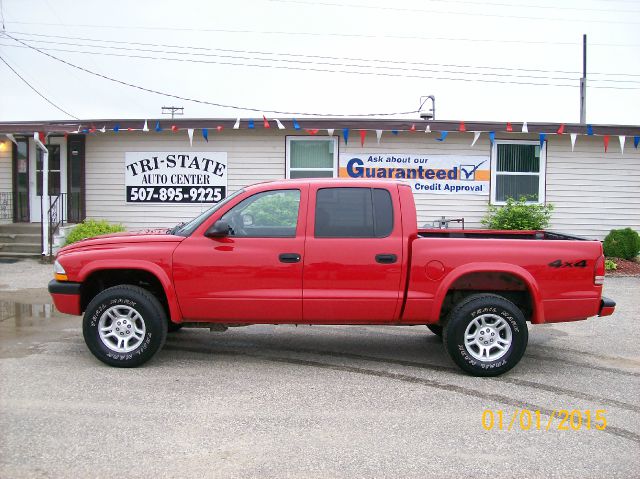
[[312, 401]]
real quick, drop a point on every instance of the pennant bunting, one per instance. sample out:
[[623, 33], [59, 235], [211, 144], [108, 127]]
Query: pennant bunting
[[462, 126], [413, 128], [312, 131], [492, 137], [509, 127], [573, 140], [443, 136], [427, 129], [205, 134], [265, 122], [543, 137], [395, 132], [145, 127], [589, 130], [190, 135], [236, 125], [85, 130], [622, 140], [378, 135], [363, 135], [66, 135], [605, 139], [158, 127], [92, 129], [525, 127], [476, 135], [12, 138], [251, 125], [116, 127], [345, 135], [296, 126], [174, 128], [560, 130], [103, 129], [219, 128], [636, 141], [280, 125], [330, 131]]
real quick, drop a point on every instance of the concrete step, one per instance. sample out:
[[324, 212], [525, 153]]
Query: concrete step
[[30, 248], [19, 255], [20, 228], [33, 238]]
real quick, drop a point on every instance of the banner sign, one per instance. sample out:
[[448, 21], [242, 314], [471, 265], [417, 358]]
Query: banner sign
[[175, 177], [440, 174]]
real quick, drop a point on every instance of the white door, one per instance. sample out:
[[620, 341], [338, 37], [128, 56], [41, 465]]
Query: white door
[[57, 176]]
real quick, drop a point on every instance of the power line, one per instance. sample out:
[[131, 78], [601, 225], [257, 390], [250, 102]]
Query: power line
[[39, 94], [195, 100]]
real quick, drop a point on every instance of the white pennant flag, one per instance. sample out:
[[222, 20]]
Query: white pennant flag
[[145, 127], [236, 125], [103, 129], [280, 125], [427, 129], [622, 139], [330, 131], [378, 135], [190, 133], [573, 140], [476, 135], [525, 128], [12, 138]]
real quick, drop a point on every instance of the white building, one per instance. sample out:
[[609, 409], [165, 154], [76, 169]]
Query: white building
[[96, 172]]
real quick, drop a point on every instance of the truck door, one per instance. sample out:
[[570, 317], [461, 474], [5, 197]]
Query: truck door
[[353, 255], [255, 273]]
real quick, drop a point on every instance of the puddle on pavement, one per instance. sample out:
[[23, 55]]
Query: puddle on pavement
[[24, 314]]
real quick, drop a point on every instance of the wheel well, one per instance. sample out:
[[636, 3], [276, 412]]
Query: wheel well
[[506, 285], [103, 279]]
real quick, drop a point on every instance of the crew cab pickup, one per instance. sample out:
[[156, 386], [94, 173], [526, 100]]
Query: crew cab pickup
[[328, 252]]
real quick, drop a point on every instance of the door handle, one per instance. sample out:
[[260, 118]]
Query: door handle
[[289, 258], [386, 258]]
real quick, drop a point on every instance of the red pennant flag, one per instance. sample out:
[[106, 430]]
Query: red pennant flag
[[66, 135], [363, 134], [462, 127], [128, 129], [412, 129], [509, 127], [92, 129], [266, 122], [42, 137], [219, 128], [605, 138], [560, 129], [312, 131], [174, 128]]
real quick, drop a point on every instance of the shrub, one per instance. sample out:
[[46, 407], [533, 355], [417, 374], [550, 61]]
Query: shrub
[[610, 265], [624, 243], [518, 215], [91, 228]]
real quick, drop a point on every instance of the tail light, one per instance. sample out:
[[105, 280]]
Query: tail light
[[598, 272]]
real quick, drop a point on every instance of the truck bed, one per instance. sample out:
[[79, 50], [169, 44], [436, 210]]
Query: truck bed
[[495, 234]]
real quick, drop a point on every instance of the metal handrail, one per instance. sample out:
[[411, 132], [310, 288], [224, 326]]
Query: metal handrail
[[56, 217]]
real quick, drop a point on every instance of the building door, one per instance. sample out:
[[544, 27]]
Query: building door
[[21, 181], [57, 176]]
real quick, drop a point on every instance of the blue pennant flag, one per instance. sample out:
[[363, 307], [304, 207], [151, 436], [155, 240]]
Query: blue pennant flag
[[205, 134], [158, 127], [492, 137], [589, 130], [296, 126], [443, 136], [251, 124], [85, 130], [395, 132], [636, 141], [345, 135], [543, 137], [116, 127]]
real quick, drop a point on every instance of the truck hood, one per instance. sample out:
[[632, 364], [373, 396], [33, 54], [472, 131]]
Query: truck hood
[[145, 236]]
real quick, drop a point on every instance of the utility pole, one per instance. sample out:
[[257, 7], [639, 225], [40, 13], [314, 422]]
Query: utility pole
[[583, 82], [172, 110]]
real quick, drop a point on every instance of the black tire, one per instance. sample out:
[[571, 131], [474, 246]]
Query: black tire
[[505, 324], [173, 327], [436, 329], [139, 318]]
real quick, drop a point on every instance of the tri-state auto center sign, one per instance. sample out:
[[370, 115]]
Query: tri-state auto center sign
[[175, 177], [440, 174]]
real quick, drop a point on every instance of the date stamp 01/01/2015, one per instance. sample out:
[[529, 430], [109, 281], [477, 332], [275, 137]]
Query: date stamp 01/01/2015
[[559, 419]]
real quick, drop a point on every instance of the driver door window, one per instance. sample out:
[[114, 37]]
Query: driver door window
[[271, 214]]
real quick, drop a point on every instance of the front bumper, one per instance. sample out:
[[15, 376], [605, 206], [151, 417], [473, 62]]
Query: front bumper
[[66, 296], [607, 307]]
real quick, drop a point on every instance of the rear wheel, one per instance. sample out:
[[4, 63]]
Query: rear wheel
[[124, 326], [486, 335]]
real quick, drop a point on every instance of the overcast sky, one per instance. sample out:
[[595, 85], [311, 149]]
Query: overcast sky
[[479, 58]]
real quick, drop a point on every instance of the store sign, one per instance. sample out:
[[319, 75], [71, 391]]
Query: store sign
[[440, 174], [175, 177]]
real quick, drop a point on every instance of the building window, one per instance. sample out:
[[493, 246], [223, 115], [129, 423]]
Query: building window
[[517, 170], [312, 157]]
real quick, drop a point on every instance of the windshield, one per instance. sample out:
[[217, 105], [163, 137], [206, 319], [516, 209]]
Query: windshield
[[185, 229]]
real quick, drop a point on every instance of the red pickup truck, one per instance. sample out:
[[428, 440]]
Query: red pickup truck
[[328, 252]]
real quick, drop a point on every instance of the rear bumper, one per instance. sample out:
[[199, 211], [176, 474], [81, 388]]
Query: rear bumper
[[607, 307], [66, 296]]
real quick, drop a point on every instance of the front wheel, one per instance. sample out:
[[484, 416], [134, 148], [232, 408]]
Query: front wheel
[[124, 326], [486, 335]]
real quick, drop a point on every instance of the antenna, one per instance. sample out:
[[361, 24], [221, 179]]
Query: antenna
[[172, 110]]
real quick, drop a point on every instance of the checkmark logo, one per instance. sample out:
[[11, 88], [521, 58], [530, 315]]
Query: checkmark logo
[[469, 171]]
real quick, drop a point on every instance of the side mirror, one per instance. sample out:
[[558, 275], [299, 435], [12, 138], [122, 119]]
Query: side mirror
[[218, 230]]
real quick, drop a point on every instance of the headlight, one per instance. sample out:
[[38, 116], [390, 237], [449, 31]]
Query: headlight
[[58, 272]]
